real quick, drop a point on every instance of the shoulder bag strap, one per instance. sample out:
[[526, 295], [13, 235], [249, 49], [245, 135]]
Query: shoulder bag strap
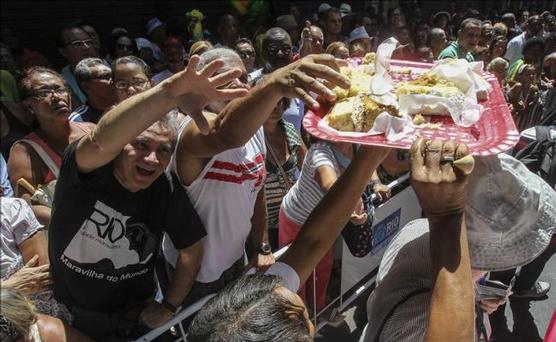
[[43, 155], [279, 165]]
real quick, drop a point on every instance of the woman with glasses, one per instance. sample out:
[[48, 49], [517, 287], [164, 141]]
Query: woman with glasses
[[131, 76], [35, 160]]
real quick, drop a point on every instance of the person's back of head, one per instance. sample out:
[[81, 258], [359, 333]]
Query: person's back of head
[[500, 29], [497, 64], [250, 309], [17, 315]]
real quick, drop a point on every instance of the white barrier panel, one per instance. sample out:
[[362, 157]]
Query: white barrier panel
[[389, 219]]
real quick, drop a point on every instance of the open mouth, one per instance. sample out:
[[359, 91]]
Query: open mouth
[[60, 107], [144, 172]]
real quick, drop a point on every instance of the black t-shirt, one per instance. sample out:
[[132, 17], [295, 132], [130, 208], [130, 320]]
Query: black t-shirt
[[104, 239]]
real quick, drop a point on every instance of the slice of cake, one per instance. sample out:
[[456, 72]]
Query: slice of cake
[[340, 116], [357, 113]]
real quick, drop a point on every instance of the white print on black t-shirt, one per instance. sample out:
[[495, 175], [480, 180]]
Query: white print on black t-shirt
[[106, 243]]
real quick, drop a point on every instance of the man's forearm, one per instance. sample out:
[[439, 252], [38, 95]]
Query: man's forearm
[[187, 267], [331, 214], [131, 117], [259, 229], [241, 118], [452, 296]]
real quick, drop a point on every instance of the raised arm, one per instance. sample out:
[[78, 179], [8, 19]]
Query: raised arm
[[332, 213], [441, 191], [131, 117], [241, 118]]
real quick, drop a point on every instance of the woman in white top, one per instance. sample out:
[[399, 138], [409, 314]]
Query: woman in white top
[[323, 164], [25, 272]]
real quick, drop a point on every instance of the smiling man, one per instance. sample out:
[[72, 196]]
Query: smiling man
[[469, 35], [113, 202]]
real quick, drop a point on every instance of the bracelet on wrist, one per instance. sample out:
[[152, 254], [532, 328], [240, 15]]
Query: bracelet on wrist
[[170, 307]]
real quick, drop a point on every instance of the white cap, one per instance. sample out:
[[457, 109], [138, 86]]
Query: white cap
[[358, 33], [152, 24], [345, 9], [324, 7]]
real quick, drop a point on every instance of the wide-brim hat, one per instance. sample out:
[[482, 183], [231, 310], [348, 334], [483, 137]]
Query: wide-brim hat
[[510, 214]]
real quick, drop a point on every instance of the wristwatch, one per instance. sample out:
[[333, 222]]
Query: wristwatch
[[265, 249], [172, 308]]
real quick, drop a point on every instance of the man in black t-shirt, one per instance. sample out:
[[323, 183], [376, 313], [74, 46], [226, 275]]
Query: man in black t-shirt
[[113, 201]]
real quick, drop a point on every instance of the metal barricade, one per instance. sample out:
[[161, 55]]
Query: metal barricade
[[389, 218]]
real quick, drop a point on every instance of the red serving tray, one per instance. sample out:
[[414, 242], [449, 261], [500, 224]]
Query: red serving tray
[[494, 133]]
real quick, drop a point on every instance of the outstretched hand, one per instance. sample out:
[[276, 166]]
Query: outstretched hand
[[308, 75], [440, 187], [198, 86], [31, 278]]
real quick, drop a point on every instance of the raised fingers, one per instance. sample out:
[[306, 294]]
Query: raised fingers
[[327, 73], [211, 68], [417, 154], [33, 261], [308, 99], [446, 159], [312, 84], [225, 77], [433, 151], [200, 121], [329, 60], [193, 62]]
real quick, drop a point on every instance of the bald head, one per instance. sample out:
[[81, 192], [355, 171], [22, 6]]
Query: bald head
[[230, 57], [276, 33]]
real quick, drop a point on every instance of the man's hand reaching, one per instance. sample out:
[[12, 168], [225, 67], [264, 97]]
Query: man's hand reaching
[[308, 75], [196, 87]]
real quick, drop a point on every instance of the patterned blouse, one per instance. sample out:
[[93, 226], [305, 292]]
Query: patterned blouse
[[275, 187]]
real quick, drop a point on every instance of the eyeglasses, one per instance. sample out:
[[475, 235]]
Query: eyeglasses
[[135, 83], [81, 44], [246, 54], [44, 93], [273, 49]]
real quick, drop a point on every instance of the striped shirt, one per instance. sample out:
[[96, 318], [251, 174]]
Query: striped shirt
[[304, 196], [275, 186]]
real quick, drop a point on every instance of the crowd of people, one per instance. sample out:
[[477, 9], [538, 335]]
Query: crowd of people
[[185, 157]]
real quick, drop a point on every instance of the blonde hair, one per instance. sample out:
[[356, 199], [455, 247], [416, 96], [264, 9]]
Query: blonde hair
[[199, 47], [17, 312], [501, 29], [333, 48]]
